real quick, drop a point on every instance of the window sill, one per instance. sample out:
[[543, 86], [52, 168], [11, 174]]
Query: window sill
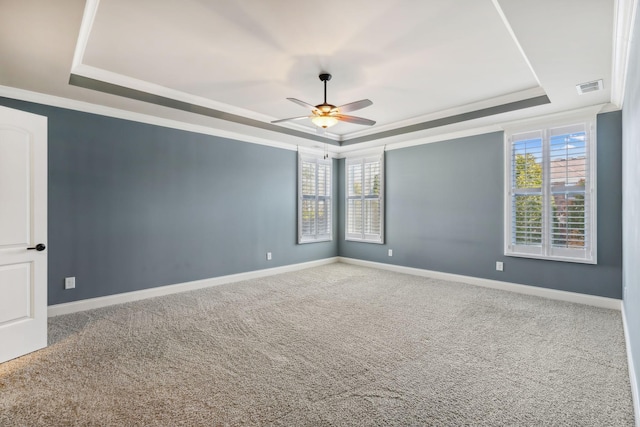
[[593, 261], [351, 239], [319, 240]]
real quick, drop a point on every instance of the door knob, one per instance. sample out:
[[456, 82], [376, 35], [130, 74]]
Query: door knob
[[39, 247]]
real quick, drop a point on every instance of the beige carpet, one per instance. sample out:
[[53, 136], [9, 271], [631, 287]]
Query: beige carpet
[[333, 345]]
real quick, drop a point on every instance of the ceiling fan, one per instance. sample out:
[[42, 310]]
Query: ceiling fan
[[326, 115]]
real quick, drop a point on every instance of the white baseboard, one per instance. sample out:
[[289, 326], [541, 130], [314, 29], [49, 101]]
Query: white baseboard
[[91, 303], [633, 379], [592, 300]]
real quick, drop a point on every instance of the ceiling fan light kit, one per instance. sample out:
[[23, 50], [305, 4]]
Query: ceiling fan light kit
[[326, 115], [324, 121]]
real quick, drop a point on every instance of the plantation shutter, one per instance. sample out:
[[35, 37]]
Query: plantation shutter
[[551, 209], [365, 199], [314, 199], [569, 202], [527, 199]]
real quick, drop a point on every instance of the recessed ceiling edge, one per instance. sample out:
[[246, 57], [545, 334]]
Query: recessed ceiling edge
[[113, 89], [138, 95]]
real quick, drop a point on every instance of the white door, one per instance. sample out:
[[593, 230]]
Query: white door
[[23, 226]]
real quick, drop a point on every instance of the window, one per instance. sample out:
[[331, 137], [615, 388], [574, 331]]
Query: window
[[550, 201], [314, 199], [365, 199]]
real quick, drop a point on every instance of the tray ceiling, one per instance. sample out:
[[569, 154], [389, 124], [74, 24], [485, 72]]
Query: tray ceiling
[[232, 64]]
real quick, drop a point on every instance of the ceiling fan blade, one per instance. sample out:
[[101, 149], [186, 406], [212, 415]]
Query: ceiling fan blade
[[290, 119], [356, 120], [304, 104], [353, 106]]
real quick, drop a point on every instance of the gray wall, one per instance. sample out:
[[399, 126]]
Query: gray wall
[[134, 206], [444, 212], [631, 194]]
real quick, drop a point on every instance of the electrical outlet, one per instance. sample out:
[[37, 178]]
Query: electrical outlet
[[499, 266], [268, 256], [390, 252], [69, 282]]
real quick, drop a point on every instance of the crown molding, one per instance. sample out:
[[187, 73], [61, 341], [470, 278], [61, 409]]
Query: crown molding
[[623, 24]]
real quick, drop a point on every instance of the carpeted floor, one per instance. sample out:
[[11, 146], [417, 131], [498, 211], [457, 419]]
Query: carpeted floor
[[332, 345]]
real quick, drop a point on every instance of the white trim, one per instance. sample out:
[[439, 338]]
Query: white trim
[[86, 107], [554, 294], [507, 25], [88, 18], [556, 119], [349, 150], [506, 192], [389, 144], [366, 152], [461, 109], [623, 23], [633, 379], [334, 151], [165, 92], [92, 303], [316, 151]]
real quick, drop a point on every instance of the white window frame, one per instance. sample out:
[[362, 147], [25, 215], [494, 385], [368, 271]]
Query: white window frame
[[316, 198], [546, 251], [363, 236]]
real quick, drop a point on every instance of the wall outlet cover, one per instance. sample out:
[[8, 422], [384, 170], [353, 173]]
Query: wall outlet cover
[[69, 282]]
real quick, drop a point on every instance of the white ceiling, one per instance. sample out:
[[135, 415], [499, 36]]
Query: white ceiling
[[416, 60]]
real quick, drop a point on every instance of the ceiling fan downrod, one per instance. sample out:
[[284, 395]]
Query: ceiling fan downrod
[[325, 77]]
